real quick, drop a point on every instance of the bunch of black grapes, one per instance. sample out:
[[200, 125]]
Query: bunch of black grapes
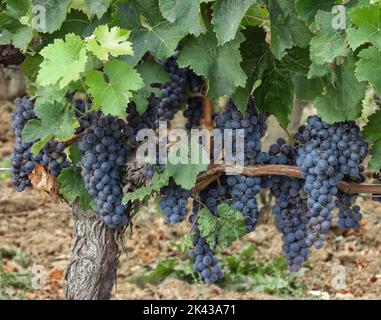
[[253, 126], [104, 154], [328, 155], [22, 159]]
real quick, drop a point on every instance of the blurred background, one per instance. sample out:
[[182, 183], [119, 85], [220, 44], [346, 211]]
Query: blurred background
[[35, 242]]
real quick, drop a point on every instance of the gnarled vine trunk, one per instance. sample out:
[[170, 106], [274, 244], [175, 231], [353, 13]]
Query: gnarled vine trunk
[[92, 268]]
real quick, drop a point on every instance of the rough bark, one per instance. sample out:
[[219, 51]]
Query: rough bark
[[92, 268]]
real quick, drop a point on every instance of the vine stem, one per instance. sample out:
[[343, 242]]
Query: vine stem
[[216, 170]]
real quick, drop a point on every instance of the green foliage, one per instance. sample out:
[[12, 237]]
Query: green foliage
[[327, 43], [91, 7], [185, 15], [275, 93], [54, 12], [149, 30], [72, 188], [107, 42], [15, 24], [14, 285], [185, 173], [366, 27], [232, 11], [112, 95], [307, 89], [242, 274], [53, 119], [287, 30], [372, 134], [276, 50], [368, 68], [220, 64], [307, 9], [224, 230], [342, 97], [64, 61], [152, 73], [158, 181]]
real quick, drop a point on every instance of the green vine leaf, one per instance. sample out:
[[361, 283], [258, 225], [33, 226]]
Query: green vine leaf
[[185, 173], [232, 11], [368, 68], [327, 43], [367, 26], [232, 225], [307, 89], [113, 42], [224, 230], [15, 24], [375, 162], [98, 7], [64, 61], [72, 187], [287, 30], [53, 13], [372, 129], [307, 9], [372, 134], [152, 73], [343, 95], [184, 14], [275, 89], [186, 243], [39, 145], [158, 181], [53, 119], [208, 225], [220, 64], [113, 95], [150, 32]]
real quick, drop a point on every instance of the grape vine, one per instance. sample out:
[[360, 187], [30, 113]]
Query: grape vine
[[93, 86]]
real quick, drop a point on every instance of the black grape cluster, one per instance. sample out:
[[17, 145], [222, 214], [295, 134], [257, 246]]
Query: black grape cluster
[[243, 191], [22, 160], [193, 112], [349, 215], [174, 202], [172, 92], [147, 120], [292, 218], [206, 264], [290, 209], [103, 156], [53, 157], [254, 128], [83, 113], [213, 195], [329, 154], [195, 83]]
